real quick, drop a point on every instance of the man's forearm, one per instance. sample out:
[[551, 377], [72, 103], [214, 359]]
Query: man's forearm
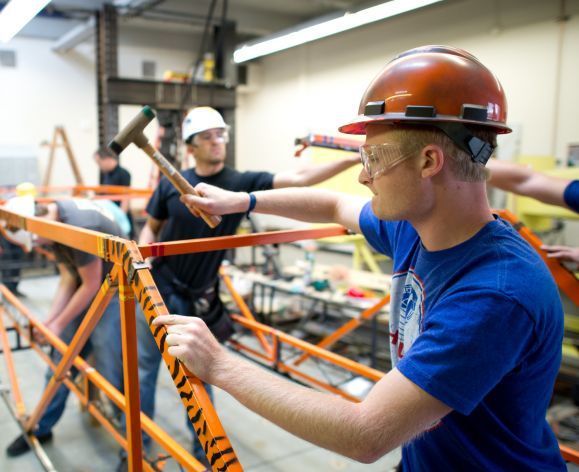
[[301, 411], [79, 301], [311, 205], [508, 176], [523, 180], [64, 292], [305, 204]]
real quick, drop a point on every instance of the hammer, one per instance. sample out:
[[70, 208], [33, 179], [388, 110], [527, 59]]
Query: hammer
[[133, 133]]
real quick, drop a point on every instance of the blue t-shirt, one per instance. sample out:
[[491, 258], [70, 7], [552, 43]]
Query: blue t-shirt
[[571, 195], [478, 326]]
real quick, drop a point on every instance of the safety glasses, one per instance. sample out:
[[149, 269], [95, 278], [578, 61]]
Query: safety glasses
[[219, 135], [378, 159]]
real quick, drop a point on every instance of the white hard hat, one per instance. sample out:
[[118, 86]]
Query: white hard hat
[[201, 119], [25, 207]]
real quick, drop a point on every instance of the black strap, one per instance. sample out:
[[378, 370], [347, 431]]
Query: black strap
[[480, 151]]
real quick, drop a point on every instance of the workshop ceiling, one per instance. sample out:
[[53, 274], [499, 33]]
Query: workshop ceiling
[[254, 18]]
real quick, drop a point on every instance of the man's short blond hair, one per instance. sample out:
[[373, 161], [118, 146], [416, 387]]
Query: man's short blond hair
[[414, 138]]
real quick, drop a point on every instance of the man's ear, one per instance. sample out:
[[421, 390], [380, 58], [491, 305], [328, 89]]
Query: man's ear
[[432, 160]]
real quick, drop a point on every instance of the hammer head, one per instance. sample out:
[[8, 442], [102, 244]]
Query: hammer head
[[133, 132]]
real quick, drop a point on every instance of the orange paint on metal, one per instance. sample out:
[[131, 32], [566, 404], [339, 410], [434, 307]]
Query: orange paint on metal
[[182, 456], [15, 387], [347, 327], [569, 454], [200, 410], [130, 373], [240, 240], [91, 318], [335, 359], [245, 311]]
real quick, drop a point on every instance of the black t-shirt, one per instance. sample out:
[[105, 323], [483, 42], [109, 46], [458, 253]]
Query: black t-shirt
[[84, 214], [117, 176], [199, 270]]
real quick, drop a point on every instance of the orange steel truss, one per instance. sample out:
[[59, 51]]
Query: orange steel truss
[[132, 278], [93, 192]]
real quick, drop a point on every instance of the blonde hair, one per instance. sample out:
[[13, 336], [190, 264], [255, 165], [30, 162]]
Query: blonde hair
[[414, 138]]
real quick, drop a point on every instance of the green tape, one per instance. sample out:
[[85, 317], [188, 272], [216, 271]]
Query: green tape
[[148, 111]]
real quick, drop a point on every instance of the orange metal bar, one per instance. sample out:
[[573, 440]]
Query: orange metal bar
[[275, 350], [347, 327], [114, 197], [284, 367], [245, 311], [336, 359], [79, 189], [312, 380], [569, 454], [131, 373], [78, 238], [113, 189], [85, 402], [90, 320], [238, 240], [566, 280], [14, 385], [254, 352], [199, 408]]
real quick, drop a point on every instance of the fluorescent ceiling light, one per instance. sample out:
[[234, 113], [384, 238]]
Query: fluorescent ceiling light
[[16, 14], [263, 47]]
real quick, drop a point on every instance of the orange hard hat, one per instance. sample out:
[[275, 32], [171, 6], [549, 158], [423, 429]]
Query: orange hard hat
[[440, 86]]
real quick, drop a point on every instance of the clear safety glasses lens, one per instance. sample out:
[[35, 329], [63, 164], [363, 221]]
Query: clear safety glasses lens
[[380, 158], [218, 135]]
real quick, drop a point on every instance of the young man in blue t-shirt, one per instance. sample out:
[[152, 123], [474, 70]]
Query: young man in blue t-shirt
[[549, 189], [475, 322]]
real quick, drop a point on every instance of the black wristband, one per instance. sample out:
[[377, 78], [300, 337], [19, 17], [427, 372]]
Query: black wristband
[[252, 203]]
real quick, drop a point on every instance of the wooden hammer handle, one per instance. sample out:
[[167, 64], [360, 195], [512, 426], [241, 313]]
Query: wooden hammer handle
[[178, 181]]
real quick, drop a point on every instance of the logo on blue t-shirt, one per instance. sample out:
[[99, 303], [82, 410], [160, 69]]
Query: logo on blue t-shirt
[[406, 312]]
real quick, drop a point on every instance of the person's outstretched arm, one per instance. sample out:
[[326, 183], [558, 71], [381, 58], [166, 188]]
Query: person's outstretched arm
[[395, 410], [523, 180], [313, 174], [304, 204], [563, 253]]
